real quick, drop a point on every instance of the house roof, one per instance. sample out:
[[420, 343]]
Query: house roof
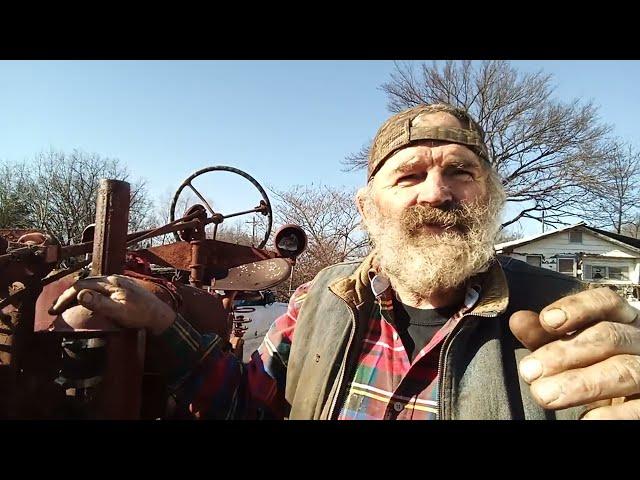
[[615, 238], [531, 238], [634, 242]]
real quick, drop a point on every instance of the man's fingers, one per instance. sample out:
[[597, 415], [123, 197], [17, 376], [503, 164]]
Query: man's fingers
[[101, 304], [617, 376], [598, 404], [587, 347], [578, 311], [68, 297], [120, 281], [64, 301], [629, 410], [526, 327]]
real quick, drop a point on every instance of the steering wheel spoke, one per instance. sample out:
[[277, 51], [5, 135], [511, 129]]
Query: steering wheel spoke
[[206, 204]]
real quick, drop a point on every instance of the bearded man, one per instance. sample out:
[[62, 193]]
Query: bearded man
[[431, 325]]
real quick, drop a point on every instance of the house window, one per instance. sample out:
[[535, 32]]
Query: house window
[[575, 237], [565, 265], [619, 273], [605, 272], [598, 272], [535, 260]]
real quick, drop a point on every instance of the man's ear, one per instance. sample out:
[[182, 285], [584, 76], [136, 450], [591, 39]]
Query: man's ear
[[360, 199]]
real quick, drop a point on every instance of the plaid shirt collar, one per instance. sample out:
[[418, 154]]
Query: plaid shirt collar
[[384, 293], [486, 292]]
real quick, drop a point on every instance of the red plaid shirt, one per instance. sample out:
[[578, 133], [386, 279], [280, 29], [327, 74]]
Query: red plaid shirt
[[386, 384]]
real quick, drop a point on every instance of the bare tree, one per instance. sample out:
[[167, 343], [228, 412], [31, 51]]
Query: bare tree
[[331, 221], [632, 227], [238, 232], [613, 202], [62, 193], [509, 234], [545, 150], [14, 199]]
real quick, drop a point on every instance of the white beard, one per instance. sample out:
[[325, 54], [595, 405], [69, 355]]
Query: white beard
[[424, 263]]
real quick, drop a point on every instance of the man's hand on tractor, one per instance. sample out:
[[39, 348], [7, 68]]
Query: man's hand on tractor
[[121, 299]]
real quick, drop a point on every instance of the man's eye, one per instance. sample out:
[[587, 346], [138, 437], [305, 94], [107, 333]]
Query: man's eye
[[463, 174], [412, 178]]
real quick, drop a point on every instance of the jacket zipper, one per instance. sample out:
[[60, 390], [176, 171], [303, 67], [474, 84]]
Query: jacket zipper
[[444, 353], [343, 367]]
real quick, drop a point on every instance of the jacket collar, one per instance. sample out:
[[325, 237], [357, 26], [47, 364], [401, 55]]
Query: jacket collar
[[356, 288]]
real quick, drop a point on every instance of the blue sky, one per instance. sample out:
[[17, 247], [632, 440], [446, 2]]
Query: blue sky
[[284, 122]]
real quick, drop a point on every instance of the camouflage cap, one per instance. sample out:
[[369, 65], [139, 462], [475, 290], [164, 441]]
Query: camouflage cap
[[404, 128]]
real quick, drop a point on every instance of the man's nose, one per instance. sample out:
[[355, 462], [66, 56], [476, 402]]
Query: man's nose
[[434, 191]]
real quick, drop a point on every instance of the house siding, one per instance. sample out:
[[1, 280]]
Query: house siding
[[593, 250]]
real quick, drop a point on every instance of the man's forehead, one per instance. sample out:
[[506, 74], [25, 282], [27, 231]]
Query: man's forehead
[[422, 152]]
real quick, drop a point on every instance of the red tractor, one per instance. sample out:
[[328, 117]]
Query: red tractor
[[79, 365]]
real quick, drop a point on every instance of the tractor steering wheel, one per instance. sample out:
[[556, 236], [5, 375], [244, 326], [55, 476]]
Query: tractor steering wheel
[[187, 183]]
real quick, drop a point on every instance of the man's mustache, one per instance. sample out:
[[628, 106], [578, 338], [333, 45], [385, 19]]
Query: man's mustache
[[449, 216]]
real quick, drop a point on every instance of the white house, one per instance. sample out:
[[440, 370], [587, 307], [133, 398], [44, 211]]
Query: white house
[[587, 253]]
